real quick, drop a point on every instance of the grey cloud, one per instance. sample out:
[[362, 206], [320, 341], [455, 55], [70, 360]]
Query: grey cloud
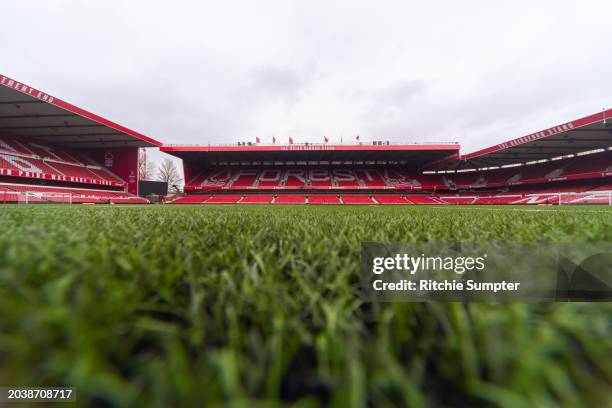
[[269, 83], [218, 72], [401, 93]]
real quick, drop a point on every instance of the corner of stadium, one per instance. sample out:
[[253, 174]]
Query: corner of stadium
[[54, 152]]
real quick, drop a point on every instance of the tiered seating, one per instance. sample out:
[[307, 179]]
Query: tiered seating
[[458, 200], [326, 184], [540, 171], [415, 199], [319, 178], [256, 199], [357, 199], [430, 181], [244, 179], [25, 164], [390, 199], [465, 179], [588, 164], [217, 180], [595, 198], [14, 193], [400, 179], [324, 199], [270, 178], [104, 174], [533, 197], [607, 186], [193, 199], [200, 178], [223, 199], [12, 146], [22, 158], [290, 199], [345, 179], [73, 170], [497, 200], [371, 178], [51, 153], [582, 167], [293, 181], [311, 179]]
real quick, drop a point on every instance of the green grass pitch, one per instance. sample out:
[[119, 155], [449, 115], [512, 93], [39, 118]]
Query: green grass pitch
[[258, 306]]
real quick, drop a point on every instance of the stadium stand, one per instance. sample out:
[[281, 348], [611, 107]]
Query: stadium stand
[[194, 199], [357, 199], [290, 199], [243, 179], [50, 162], [346, 178], [416, 199], [458, 200], [303, 178], [566, 164], [13, 193], [223, 199], [256, 199], [46, 156], [371, 178], [391, 199], [324, 199]]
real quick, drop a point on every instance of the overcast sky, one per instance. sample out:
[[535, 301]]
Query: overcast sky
[[477, 72]]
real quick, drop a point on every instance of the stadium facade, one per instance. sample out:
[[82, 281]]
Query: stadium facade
[[51, 150]]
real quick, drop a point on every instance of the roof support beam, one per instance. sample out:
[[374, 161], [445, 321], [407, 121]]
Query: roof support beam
[[37, 116], [51, 127], [19, 102], [77, 135]]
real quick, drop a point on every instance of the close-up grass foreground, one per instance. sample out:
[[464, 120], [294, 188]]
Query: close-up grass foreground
[[259, 306]]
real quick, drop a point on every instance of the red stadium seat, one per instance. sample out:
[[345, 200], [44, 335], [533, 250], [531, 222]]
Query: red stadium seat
[[363, 184], [36, 193], [371, 178], [244, 179], [416, 199], [357, 199], [270, 178], [223, 199], [290, 199], [323, 199], [390, 199], [256, 199], [193, 199], [22, 158], [458, 200]]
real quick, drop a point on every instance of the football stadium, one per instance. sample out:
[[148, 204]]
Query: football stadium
[[566, 164], [243, 289], [55, 152]]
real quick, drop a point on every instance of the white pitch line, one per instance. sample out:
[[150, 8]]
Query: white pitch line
[[552, 210]]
